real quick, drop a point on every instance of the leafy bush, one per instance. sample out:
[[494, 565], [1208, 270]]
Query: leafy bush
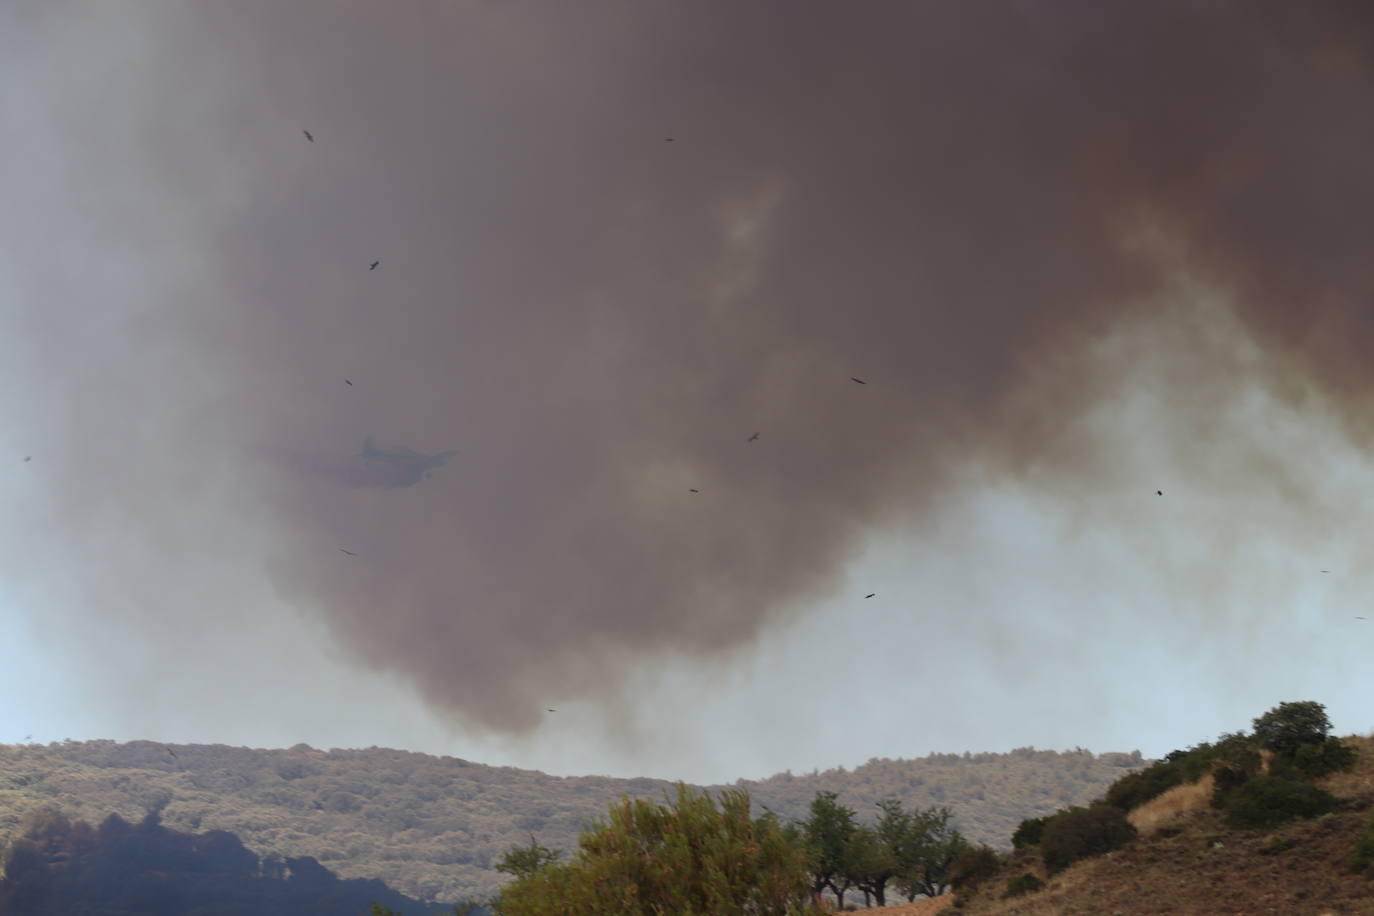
[[1317, 760], [1267, 801], [1236, 753], [1136, 789], [1029, 832], [973, 866], [1081, 832], [1022, 884], [1288, 726], [1362, 856]]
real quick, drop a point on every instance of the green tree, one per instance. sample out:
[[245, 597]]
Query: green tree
[[1289, 726], [827, 833], [523, 861], [936, 843], [869, 864], [691, 856]]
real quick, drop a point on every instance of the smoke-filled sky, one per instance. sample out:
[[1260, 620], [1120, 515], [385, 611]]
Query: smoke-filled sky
[[1076, 252]]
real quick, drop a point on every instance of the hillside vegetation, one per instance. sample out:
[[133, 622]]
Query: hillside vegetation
[[1270, 822], [435, 827]]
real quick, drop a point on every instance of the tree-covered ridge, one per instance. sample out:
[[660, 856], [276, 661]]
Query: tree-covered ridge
[[435, 827], [57, 865]]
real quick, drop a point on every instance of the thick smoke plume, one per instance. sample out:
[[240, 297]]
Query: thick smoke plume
[[617, 240]]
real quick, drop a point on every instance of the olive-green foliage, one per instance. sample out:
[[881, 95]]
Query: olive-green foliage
[[526, 860], [1233, 759], [1029, 832], [1314, 761], [827, 834], [939, 844], [1362, 856], [688, 857], [1081, 832], [1267, 801], [973, 866], [870, 863], [1025, 883], [1288, 726]]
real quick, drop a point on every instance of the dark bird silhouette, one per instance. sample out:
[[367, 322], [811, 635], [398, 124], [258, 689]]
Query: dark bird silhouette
[[1326, 570], [170, 751], [693, 490], [752, 438], [1159, 492], [870, 595], [349, 552], [551, 710], [347, 382], [28, 457], [667, 139], [1361, 618], [374, 265], [307, 136], [859, 380], [27, 737]]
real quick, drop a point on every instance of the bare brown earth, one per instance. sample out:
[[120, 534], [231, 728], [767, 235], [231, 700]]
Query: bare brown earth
[[1189, 862], [920, 908]]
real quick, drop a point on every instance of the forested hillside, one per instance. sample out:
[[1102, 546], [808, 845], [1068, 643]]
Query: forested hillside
[[432, 827]]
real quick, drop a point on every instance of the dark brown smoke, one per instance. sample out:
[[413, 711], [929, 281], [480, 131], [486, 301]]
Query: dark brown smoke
[[942, 199]]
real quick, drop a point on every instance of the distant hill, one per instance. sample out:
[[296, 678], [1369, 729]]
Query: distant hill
[[432, 827]]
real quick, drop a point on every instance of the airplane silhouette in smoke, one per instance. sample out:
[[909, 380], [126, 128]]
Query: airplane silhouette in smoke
[[410, 464]]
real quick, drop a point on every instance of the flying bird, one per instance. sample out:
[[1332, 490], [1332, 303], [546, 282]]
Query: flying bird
[[349, 552], [307, 136], [870, 594], [1361, 618], [667, 139], [1326, 570], [752, 438], [1159, 492], [170, 751], [693, 490], [859, 380], [347, 382], [374, 265], [28, 457], [551, 710]]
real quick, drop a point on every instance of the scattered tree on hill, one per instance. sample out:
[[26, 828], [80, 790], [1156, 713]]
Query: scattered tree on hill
[[1289, 726], [869, 864], [690, 857], [827, 833], [937, 843]]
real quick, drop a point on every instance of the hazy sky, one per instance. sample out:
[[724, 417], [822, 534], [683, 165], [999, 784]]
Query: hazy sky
[[1079, 252]]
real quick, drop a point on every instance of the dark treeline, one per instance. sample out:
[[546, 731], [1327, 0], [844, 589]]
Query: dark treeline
[[57, 865]]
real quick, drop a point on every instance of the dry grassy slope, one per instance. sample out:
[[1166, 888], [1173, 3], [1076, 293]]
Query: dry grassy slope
[[432, 827], [1191, 863]]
